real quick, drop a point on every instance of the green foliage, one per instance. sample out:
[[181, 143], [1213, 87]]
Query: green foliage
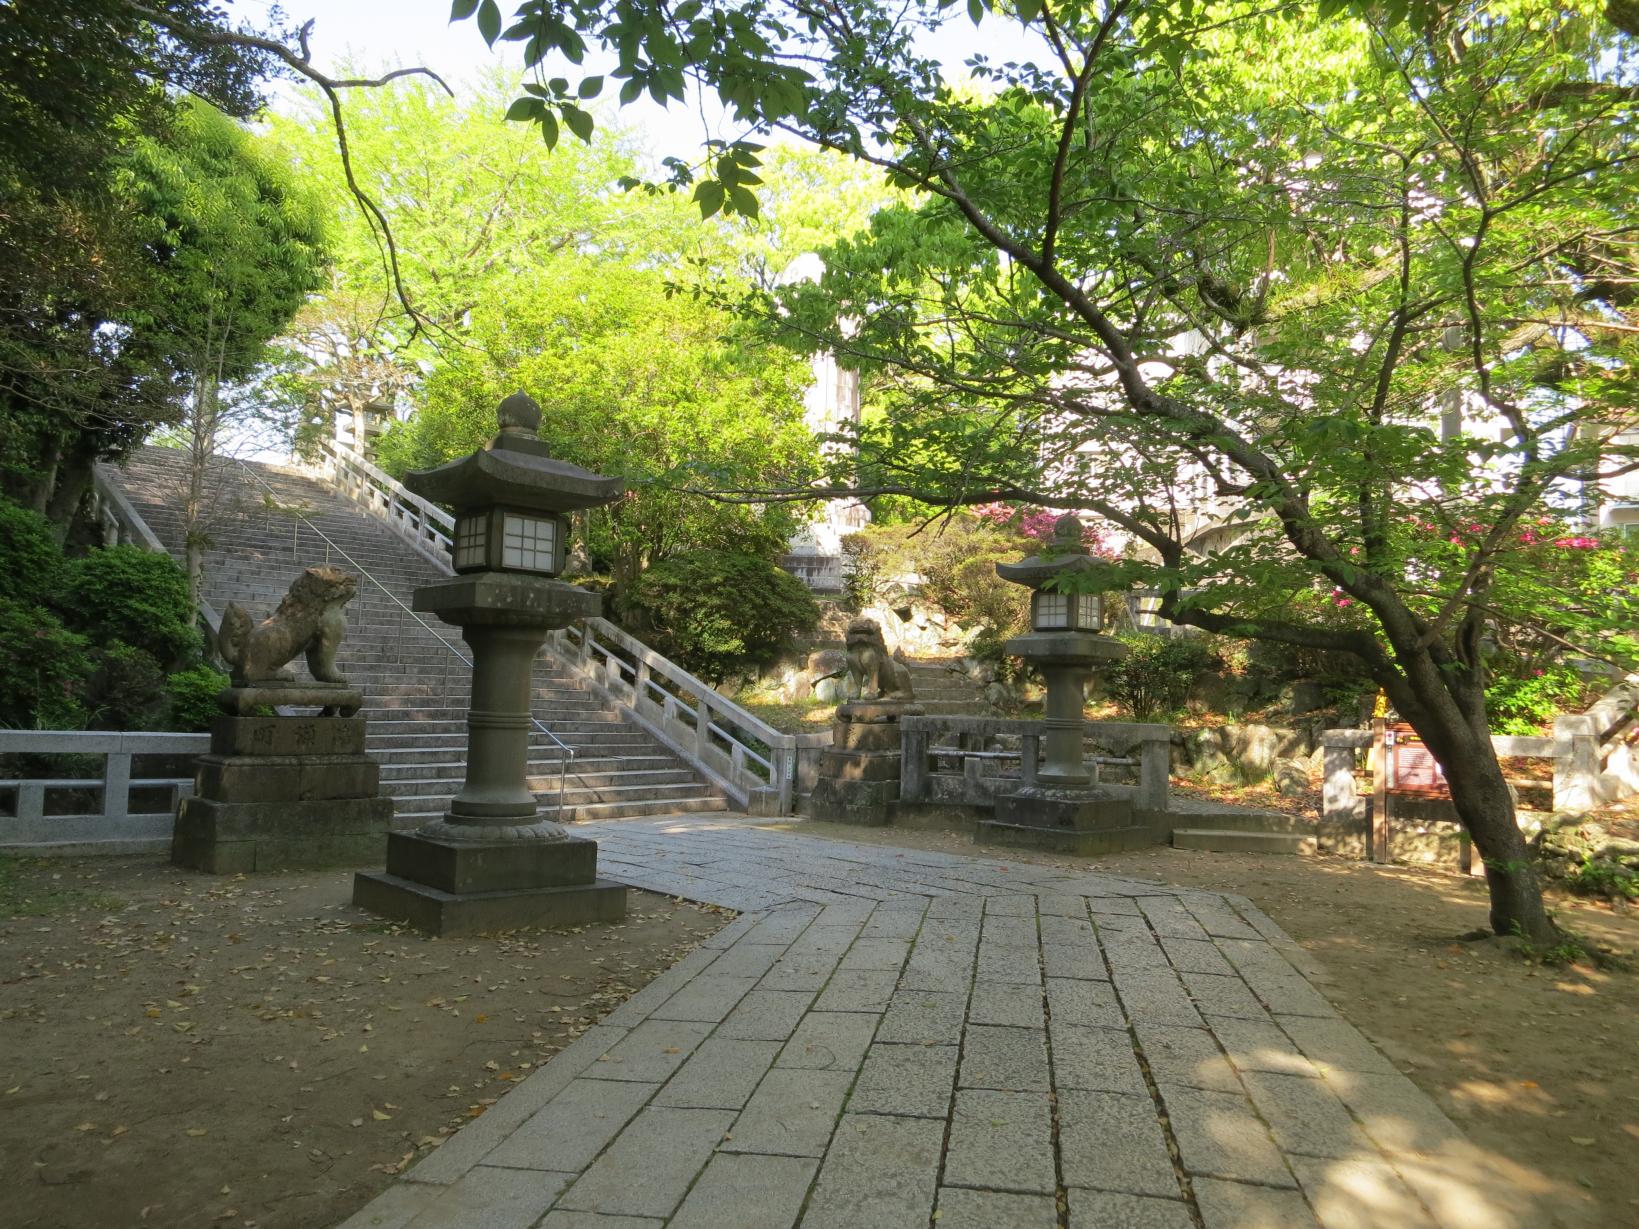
[[123, 593], [126, 691], [1528, 701], [1601, 877], [44, 669], [1154, 678], [950, 564], [83, 373], [660, 389], [31, 562], [719, 612], [192, 697]]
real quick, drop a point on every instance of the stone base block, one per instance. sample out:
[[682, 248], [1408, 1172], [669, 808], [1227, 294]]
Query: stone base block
[[1077, 810], [464, 867], [286, 778], [869, 803], [1088, 843], [866, 736], [841, 765], [227, 838], [445, 913], [287, 735], [331, 699], [1064, 820]]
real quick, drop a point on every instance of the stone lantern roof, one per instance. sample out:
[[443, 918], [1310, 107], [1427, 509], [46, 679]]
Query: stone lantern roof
[[1066, 553], [514, 469]]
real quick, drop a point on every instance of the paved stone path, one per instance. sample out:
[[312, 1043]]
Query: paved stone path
[[891, 1038]]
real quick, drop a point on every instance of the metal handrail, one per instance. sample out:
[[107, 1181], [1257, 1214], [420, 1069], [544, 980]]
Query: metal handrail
[[568, 755]]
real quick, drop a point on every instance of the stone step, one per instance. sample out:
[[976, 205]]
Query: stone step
[[1228, 840], [450, 766], [621, 737], [589, 811], [576, 781], [550, 711], [563, 729]]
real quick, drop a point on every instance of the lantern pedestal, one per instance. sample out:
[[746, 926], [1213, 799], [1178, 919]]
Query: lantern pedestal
[[859, 773], [1058, 807], [497, 860]]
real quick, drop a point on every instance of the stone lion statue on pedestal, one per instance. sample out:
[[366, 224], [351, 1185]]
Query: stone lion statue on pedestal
[[310, 620], [872, 673]]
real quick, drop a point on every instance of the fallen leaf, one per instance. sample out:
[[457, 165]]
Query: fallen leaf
[[379, 1116], [196, 1132], [1583, 1140]]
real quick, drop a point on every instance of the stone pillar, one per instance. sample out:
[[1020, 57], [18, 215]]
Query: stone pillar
[[1576, 764], [1062, 725], [496, 789]]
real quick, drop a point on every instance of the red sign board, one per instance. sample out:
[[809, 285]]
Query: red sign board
[[1412, 769]]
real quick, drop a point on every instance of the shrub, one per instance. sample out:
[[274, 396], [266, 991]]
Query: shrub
[[1525, 703], [193, 697], [31, 562], [44, 668], [717, 612], [127, 689], [1597, 877], [134, 596], [1154, 678]]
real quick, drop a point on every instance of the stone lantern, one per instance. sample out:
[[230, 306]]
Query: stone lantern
[[496, 860], [1058, 805]]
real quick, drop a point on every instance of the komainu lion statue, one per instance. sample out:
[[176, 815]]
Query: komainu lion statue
[[309, 620], [872, 673]]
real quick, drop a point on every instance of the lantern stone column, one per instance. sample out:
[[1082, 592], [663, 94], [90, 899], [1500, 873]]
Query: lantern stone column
[[497, 859], [1058, 806]]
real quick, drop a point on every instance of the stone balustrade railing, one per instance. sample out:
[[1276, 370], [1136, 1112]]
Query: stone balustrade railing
[[755, 764], [424, 525], [929, 743], [1573, 747], [113, 827]]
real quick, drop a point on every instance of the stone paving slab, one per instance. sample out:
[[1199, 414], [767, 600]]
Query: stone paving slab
[[904, 1038]]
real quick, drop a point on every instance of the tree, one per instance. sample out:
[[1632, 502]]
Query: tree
[[1254, 252], [474, 204], [236, 247], [658, 388], [77, 378]]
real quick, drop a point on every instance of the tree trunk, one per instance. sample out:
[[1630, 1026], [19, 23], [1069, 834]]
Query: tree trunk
[[1480, 796], [74, 476]]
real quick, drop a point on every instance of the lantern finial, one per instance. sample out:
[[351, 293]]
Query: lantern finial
[[520, 413], [1068, 532]]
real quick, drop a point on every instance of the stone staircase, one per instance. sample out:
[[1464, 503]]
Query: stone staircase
[[416, 687], [943, 690]]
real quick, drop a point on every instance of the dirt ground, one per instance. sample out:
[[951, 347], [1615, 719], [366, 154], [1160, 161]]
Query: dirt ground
[[183, 1051], [1539, 1063]]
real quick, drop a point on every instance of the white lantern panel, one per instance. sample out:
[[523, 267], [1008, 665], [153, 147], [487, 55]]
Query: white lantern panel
[[528, 543], [1052, 610], [469, 542], [1089, 611]]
